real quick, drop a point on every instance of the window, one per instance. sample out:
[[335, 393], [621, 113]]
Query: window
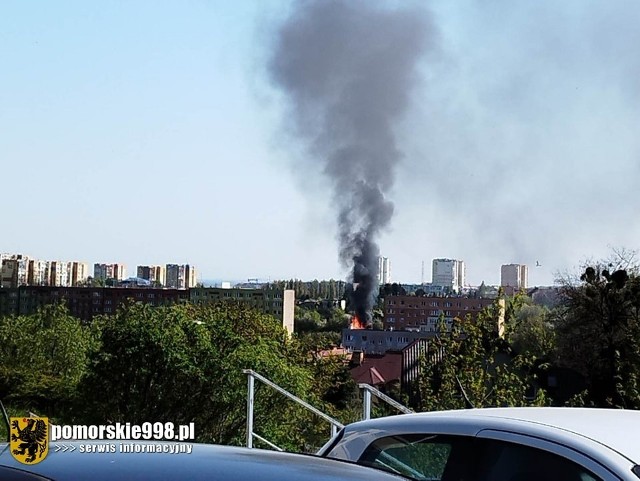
[[500, 460], [429, 457], [417, 456]]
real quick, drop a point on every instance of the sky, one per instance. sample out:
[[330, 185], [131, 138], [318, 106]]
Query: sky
[[152, 132]]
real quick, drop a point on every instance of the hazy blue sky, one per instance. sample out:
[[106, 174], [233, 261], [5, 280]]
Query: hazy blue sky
[[148, 132]]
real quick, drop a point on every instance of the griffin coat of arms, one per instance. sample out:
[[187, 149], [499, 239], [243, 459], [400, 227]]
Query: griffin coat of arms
[[29, 439]]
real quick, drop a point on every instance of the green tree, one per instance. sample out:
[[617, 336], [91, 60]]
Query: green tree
[[598, 332], [474, 366], [183, 363], [531, 332], [337, 320], [42, 359], [308, 320]]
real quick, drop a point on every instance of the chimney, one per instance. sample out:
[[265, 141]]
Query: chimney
[[357, 357]]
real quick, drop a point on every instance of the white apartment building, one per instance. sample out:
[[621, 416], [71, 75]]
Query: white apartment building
[[58, 274], [19, 270], [78, 273], [38, 273], [448, 274], [384, 271], [514, 275]]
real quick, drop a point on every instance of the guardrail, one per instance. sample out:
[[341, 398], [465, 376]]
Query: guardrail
[[252, 376], [368, 392]]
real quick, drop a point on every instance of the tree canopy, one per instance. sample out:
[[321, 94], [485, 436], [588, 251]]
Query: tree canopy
[[598, 332]]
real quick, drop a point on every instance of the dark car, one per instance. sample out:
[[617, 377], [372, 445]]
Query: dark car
[[205, 462]]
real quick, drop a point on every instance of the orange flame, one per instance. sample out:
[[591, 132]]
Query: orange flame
[[356, 323]]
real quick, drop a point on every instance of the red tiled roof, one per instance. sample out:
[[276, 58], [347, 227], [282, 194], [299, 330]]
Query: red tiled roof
[[377, 370]]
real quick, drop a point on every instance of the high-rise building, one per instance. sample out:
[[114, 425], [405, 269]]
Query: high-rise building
[[514, 275], [448, 274], [153, 274], [37, 275], [180, 276], [384, 270], [78, 273], [109, 271], [58, 273], [14, 271]]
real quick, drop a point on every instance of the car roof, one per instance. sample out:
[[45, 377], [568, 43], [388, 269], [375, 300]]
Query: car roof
[[618, 429], [205, 462]]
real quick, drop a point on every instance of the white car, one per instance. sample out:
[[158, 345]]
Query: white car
[[497, 444]]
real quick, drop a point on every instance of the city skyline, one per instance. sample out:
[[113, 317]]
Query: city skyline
[[146, 128], [157, 272]]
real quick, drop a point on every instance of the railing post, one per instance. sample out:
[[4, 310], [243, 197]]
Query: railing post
[[366, 404], [252, 376], [250, 397]]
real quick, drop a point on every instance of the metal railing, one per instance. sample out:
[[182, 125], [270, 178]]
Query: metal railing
[[251, 377], [368, 390]]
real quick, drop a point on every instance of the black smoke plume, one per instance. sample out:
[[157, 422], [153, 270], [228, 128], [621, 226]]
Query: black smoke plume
[[347, 68]]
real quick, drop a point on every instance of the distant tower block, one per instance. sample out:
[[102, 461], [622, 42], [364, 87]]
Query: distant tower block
[[514, 276], [384, 270]]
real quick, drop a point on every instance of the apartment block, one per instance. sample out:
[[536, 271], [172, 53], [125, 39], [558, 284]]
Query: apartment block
[[514, 276], [78, 273], [379, 342], [448, 274], [180, 276], [109, 271], [277, 302], [14, 271], [18, 270], [84, 302], [37, 274], [58, 274], [154, 274], [384, 271], [417, 313]]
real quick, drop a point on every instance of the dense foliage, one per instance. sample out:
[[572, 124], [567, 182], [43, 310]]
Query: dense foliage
[[598, 335], [180, 363], [475, 366]]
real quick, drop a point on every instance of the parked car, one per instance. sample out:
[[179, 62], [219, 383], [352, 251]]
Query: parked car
[[497, 444], [206, 462]]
